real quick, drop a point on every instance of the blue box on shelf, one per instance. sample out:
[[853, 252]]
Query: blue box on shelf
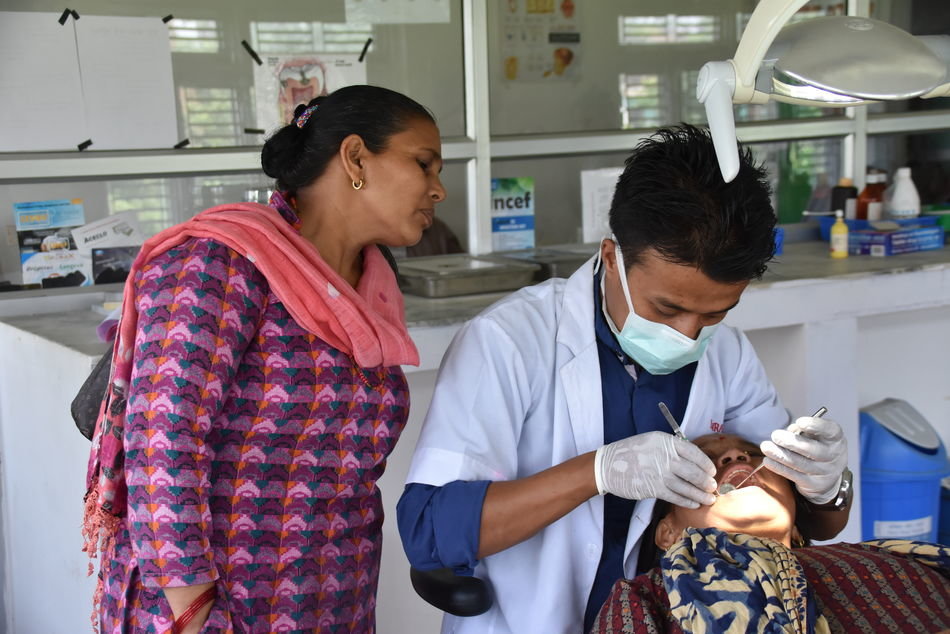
[[779, 240], [882, 243], [859, 225]]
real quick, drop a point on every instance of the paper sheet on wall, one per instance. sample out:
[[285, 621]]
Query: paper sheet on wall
[[597, 191], [284, 81], [540, 40], [41, 104], [128, 88], [117, 230], [397, 11]]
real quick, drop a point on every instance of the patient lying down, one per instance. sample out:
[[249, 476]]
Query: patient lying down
[[731, 567]]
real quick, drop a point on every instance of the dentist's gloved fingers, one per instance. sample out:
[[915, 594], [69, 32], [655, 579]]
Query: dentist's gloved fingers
[[820, 428], [818, 481], [806, 446], [693, 474], [685, 493], [781, 469], [679, 500], [693, 455], [817, 489], [788, 455], [652, 465]]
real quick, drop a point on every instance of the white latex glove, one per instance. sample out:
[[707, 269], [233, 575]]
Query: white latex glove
[[656, 465], [813, 459]]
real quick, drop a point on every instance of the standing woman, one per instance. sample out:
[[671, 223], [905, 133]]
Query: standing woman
[[256, 388]]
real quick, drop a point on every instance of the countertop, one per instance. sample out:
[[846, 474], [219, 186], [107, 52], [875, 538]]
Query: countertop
[[800, 263]]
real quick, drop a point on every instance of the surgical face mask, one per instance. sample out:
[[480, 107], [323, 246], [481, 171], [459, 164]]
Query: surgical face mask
[[658, 348]]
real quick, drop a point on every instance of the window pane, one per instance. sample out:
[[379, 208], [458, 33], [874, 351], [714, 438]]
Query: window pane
[[194, 36], [802, 174], [927, 155]]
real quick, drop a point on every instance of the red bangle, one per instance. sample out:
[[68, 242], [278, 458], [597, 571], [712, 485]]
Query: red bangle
[[203, 599]]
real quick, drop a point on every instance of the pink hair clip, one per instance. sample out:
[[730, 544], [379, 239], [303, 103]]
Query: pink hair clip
[[305, 116]]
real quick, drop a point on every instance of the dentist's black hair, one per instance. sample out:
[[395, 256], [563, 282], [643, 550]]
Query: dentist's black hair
[[296, 156], [672, 198]]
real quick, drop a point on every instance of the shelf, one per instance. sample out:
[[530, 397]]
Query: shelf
[[38, 166]]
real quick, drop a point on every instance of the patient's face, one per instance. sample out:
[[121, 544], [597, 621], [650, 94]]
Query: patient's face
[[764, 506]]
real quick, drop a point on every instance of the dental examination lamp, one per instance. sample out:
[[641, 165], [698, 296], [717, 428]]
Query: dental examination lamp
[[831, 62]]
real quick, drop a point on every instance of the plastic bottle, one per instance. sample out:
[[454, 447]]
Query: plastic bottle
[[844, 196], [839, 236], [905, 201], [871, 199]]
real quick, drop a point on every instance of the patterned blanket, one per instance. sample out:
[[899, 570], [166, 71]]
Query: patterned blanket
[[713, 581]]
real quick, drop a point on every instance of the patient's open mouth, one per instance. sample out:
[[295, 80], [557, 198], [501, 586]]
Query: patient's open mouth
[[733, 476]]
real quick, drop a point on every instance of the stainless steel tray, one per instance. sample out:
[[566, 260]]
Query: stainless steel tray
[[463, 274], [554, 261]]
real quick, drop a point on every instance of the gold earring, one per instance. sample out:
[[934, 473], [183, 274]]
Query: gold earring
[[358, 184]]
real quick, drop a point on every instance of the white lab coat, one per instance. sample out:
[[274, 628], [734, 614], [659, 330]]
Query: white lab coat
[[519, 391]]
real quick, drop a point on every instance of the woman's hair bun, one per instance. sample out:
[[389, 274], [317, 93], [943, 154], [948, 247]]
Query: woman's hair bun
[[281, 152]]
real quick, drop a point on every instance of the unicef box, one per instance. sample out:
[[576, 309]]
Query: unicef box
[[902, 464]]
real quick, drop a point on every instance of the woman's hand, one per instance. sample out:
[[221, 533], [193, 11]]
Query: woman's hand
[[179, 599]]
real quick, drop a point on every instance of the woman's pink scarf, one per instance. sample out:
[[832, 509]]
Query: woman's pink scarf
[[367, 323]]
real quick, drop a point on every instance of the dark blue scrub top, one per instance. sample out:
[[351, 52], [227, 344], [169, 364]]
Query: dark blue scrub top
[[630, 407]]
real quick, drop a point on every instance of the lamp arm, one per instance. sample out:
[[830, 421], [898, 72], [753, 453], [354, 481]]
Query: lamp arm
[[714, 89], [767, 20]]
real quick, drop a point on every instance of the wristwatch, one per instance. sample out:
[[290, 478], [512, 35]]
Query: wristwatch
[[842, 497]]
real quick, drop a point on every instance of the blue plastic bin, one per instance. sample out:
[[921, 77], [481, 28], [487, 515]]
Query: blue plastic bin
[[900, 480], [943, 530]]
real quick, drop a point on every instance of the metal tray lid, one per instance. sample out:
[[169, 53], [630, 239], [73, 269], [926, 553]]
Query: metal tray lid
[[585, 249], [546, 256], [462, 265]]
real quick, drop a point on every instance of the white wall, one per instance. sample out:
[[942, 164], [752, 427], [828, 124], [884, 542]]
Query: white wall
[[907, 356], [45, 586], [399, 609]]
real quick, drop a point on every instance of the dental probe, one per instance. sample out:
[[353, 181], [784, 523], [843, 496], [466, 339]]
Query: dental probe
[[672, 421], [729, 488]]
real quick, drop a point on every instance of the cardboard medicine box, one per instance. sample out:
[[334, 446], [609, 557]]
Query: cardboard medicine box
[[882, 243]]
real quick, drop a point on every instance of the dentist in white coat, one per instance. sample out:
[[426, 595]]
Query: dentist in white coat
[[543, 450]]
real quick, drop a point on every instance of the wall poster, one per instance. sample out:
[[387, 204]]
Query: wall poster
[[540, 39], [283, 81]]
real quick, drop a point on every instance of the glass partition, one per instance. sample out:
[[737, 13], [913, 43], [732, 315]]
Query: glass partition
[[158, 203], [214, 74], [558, 66], [927, 155]]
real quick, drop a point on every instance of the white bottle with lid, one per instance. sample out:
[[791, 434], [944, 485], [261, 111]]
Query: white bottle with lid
[[904, 201]]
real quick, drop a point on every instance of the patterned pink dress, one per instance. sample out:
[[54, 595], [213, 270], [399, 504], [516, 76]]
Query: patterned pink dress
[[252, 454]]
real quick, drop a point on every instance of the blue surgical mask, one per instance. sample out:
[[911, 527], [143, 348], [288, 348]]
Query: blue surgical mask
[[658, 348]]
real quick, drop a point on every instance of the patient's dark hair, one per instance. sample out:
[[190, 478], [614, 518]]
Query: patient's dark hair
[[672, 198]]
